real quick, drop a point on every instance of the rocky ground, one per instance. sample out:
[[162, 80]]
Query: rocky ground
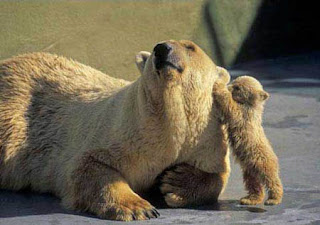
[[291, 121]]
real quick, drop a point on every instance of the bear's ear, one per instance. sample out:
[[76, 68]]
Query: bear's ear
[[264, 95], [141, 59], [223, 74]]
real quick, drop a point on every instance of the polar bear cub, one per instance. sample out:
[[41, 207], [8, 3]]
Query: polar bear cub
[[241, 107]]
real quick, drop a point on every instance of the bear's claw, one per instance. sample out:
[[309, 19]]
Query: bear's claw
[[141, 210]]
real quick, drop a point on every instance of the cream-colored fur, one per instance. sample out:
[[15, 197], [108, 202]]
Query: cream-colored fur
[[96, 141], [241, 108]]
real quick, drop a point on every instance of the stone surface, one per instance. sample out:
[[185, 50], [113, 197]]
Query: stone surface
[[292, 123]]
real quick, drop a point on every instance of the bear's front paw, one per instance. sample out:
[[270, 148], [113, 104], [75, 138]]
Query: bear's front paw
[[273, 201], [175, 201], [127, 210], [177, 187], [252, 199], [185, 185]]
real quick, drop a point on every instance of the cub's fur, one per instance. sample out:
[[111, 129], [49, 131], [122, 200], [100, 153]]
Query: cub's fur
[[97, 142], [241, 108]]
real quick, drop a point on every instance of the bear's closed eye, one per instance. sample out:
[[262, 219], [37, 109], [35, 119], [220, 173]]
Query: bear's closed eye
[[190, 47], [236, 88]]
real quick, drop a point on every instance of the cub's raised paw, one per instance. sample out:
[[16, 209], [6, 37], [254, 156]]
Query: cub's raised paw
[[251, 200], [272, 201], [224, 76], [128, 210]]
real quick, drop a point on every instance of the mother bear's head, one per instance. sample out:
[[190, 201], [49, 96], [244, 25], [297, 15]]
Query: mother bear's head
[[177, 63], [179, 76]]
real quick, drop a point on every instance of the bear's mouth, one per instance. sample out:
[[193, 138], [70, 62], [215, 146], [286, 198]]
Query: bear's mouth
[[161, 64]]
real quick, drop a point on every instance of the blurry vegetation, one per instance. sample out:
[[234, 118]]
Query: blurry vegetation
[[103, 34], [107, 34], [230, 22]]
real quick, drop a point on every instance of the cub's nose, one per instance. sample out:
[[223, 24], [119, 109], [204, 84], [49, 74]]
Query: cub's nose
[[162, 50]]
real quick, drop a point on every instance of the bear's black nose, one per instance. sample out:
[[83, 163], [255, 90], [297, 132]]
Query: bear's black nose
[[162, 50]]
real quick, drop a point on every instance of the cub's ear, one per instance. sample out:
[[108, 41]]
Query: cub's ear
[[141, 59], [223, 75], [264, 95]]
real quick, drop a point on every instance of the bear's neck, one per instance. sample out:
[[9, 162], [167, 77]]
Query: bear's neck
[[180, 119]]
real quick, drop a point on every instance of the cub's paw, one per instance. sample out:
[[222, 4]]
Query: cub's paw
[[273, 201], [224, 76], [177, 186], [128, 210], [252, 199]]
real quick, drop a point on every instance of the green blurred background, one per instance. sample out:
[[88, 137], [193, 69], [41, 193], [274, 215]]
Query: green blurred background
[[103, 34], [107, 34]]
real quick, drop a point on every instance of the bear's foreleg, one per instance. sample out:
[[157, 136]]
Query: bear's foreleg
[[185, 185], [101, 190]]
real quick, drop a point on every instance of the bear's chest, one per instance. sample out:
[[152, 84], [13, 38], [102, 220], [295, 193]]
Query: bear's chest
[[143, 169]]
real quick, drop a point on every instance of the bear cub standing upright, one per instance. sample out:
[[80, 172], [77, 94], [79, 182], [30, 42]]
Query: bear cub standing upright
[[241, 107]]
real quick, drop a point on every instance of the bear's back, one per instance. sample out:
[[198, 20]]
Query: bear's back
[[40, 95], [56, 75]]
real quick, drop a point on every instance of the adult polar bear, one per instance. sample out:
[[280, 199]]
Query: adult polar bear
[[96, 141]]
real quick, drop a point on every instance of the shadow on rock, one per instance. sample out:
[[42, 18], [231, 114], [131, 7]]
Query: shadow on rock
[[26, 203], [157, 200], [230, 205]]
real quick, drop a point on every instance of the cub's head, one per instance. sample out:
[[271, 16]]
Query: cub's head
[[248, 90], [177, 63]]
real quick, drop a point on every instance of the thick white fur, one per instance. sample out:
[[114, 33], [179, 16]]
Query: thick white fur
[[61, 120]]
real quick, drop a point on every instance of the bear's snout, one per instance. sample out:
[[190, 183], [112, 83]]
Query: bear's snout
[[161, 53], [164, 57]]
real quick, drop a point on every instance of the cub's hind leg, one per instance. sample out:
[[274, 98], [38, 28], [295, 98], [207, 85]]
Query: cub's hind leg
[[274, 186], [101, 190], [262, 173], [254, 187]]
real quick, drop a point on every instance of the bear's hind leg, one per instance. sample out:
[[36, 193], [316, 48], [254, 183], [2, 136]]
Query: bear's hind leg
[[101, 190], [275, 189], [254, 187]]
